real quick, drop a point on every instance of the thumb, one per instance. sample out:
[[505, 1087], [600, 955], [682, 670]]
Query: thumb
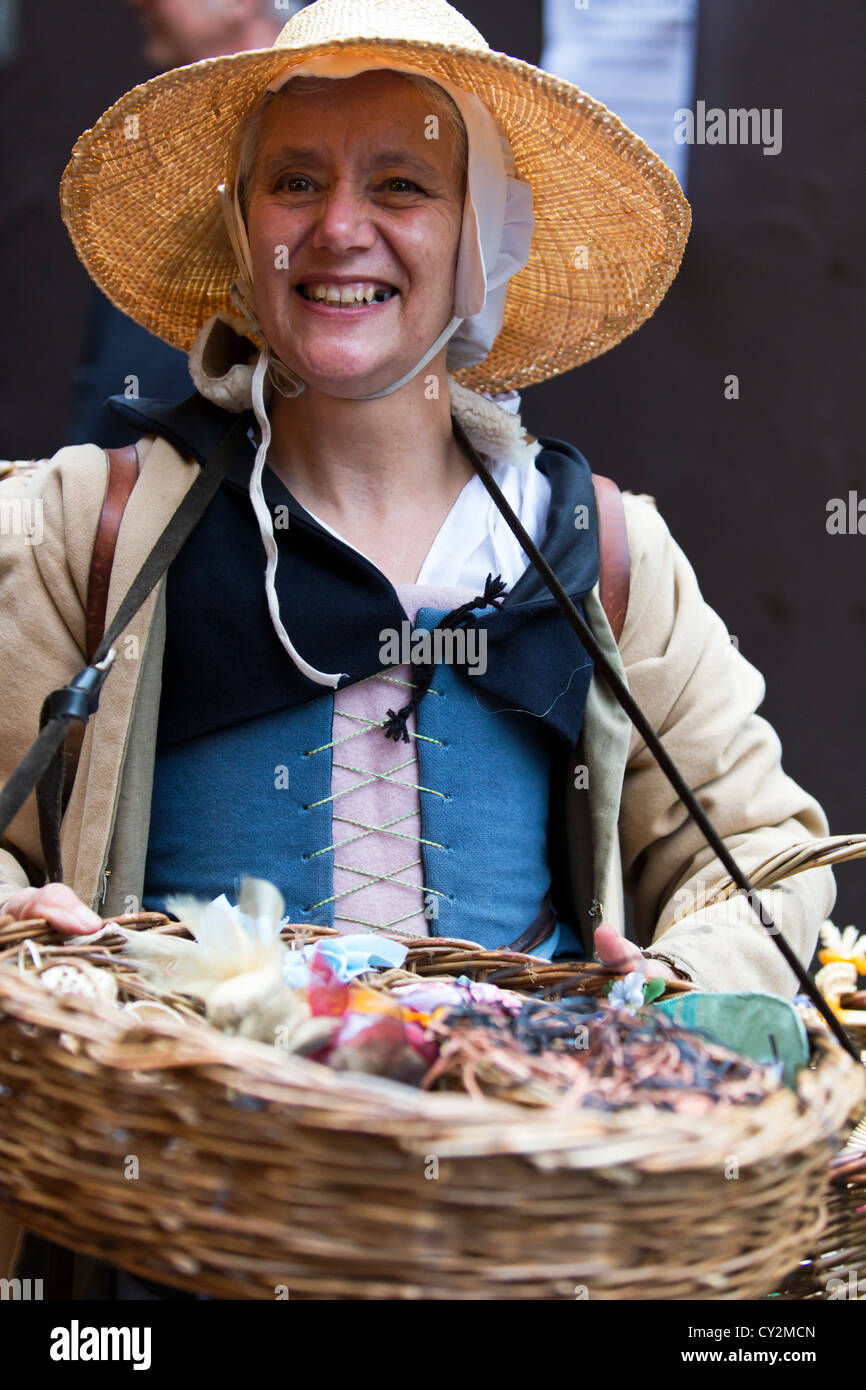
[[614, 950]]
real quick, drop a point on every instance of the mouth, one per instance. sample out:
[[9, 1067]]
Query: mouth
[[355, 296]]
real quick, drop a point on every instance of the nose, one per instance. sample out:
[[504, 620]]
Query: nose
[[343, 223]]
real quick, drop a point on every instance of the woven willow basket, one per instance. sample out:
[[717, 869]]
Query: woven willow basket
[[221, 1165], [836, 1266]]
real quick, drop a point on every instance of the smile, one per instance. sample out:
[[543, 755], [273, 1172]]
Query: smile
[[362, 295]]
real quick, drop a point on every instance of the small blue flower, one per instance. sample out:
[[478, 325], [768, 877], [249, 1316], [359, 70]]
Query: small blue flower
[[628, 992]]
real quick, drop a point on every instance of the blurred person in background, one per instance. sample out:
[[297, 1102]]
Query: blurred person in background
[[120, 357], [183, 31]]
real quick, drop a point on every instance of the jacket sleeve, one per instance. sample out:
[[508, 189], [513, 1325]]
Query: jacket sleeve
[[43, 592], [701, 696]]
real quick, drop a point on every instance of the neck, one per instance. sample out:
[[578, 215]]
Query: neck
[[351, 458]]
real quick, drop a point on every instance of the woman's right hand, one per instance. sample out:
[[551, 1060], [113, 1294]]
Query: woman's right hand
[[57, 903]]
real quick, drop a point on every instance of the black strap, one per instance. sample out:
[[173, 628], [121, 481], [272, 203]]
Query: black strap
[[653, 742], [42, 765]]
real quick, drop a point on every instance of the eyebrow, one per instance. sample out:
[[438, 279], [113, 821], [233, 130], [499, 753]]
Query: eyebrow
[[295, 154]]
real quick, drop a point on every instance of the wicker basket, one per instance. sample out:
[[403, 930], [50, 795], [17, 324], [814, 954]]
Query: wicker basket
[[225, 1166], [836, 1266]]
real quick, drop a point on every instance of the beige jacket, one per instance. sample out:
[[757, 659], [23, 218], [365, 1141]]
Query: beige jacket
[[674, 652]]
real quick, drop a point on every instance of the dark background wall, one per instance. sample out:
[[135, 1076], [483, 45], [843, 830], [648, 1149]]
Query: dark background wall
[[771, 289]]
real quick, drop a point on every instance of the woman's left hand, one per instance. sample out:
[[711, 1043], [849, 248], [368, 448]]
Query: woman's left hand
[[613, 949]]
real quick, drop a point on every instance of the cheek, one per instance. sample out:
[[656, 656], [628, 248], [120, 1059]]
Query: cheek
[[430, 252], [272, 240], [265, 235]]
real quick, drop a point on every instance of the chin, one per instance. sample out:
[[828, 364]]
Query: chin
[[348, 380]]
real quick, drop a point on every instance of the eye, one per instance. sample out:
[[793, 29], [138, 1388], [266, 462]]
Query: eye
[[285, 180], [408, 186]]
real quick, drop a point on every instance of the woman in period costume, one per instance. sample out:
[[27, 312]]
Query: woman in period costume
[[350, 681]]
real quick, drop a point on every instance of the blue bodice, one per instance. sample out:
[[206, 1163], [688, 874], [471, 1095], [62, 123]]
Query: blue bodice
[[235, 801]]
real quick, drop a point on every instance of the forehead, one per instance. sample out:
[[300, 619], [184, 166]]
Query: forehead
[[368, 113]]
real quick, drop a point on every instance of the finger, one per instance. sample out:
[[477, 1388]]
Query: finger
[[614, 950], [64, 920], [68, 924], [62, 896], [58, 905]]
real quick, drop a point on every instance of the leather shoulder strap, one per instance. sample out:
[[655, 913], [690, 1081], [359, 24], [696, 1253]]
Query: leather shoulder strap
[[614, 557], [122, 476]]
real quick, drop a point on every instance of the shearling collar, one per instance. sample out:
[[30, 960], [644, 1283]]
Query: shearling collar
[[222, 359]]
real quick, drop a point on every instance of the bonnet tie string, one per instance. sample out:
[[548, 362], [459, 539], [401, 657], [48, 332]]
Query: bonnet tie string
[[395, 725]]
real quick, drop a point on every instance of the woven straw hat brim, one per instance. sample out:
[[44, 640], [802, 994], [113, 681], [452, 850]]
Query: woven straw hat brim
[[139, 198]]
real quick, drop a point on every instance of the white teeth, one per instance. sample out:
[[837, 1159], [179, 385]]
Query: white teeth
[[342, 294]]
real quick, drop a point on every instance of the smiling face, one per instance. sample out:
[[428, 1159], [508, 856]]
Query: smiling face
[[369, 212]]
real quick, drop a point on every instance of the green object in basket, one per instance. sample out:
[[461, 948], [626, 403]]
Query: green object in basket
[[749, 1022]]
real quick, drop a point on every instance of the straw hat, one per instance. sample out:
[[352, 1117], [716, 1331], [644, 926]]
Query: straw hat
[[139, 195]]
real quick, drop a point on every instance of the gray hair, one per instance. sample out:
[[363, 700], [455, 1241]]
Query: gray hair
[[249, 133]]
